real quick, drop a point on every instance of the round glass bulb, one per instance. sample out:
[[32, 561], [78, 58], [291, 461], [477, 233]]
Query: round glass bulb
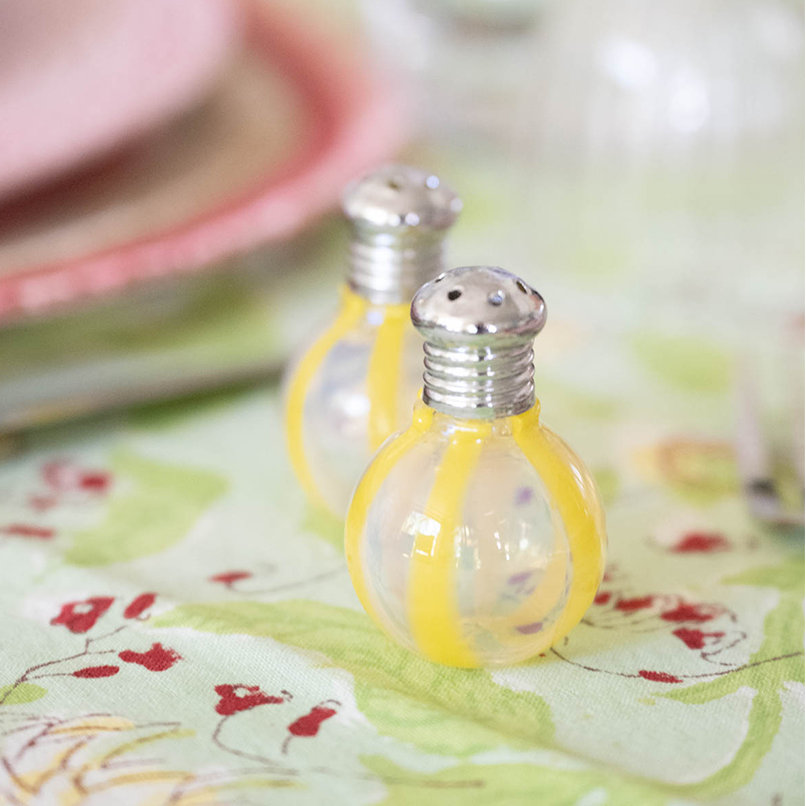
[[347, 393], [476, 542]]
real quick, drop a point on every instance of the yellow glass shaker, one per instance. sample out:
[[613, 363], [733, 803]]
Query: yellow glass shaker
[[354, 385], [476, 537]]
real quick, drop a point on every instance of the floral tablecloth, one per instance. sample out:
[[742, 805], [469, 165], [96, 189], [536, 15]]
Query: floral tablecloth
[[178, 626]]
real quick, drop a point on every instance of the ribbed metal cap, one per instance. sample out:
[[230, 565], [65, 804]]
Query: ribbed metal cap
[[398, 216], [478, 323]]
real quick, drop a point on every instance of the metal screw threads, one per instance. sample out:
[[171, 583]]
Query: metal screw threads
[[399, 216], [478, 323]]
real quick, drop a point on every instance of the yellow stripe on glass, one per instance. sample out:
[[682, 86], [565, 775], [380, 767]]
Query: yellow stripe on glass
[[383, 378], [364, 495], [352, 309], [574, 495], [433, 609]]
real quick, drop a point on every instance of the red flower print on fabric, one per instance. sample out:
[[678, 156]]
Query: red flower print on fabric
[[26, 530], [56, 475], [80, 617], [138, 605], [309, 724], [65, 476], [228, 578], [695, 639], [157, 659], [97, 671], [242, 698], [96, 481], [659, 677], [631, 605], [602, 598], [41, 503], [686, 611], [701, 543]]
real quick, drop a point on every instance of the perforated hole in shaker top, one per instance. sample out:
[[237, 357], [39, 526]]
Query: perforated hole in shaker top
[[394, 184], [522, 286], [454, 293], [496, 298]]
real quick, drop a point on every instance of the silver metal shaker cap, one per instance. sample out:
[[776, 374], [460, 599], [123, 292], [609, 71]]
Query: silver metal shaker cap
[[398, 216], [478, 323]]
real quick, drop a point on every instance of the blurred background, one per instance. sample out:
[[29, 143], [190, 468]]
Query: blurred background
[[170, 173]]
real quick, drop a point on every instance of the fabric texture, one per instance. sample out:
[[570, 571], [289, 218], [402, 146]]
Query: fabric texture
[[178, 626]]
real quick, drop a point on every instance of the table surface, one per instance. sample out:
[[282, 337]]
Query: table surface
[[178, 625]]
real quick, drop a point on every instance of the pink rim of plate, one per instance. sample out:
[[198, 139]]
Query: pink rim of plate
[[127, 61], [354, 125]]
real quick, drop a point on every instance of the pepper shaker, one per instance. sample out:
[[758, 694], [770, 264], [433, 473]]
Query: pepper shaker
[[476, 537], [355, 384]]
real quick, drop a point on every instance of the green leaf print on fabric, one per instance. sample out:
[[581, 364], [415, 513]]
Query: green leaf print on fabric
[[159, 503], [572, 401], [684, 362], [427, 726], [608, 482], [786, 577], [509, 785], [453, 711], [324, 525], [778, 660], [25, 692]]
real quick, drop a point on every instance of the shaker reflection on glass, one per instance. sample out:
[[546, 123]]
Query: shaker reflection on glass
[[476, 537], [355, 384]]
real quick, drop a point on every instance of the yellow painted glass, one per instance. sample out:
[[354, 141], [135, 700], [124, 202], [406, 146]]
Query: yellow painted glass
[[474, 542], [349, 391]]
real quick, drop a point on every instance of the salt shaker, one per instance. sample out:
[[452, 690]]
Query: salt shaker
[[476, 537], [355, 385]]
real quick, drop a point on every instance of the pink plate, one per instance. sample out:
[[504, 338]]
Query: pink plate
[[291, 120], [80, 78]]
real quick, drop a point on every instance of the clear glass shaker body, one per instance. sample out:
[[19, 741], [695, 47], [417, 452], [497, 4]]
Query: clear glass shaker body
[[476, 543], [347, 393]]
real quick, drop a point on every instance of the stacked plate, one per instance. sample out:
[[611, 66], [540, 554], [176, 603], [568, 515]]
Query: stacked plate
[[142, 143]]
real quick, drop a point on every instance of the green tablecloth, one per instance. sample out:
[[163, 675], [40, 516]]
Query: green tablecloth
[[178, 626]]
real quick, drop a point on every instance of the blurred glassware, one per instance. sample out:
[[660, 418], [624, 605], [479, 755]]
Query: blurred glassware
[[462, 62], [665, 151], [656, 146]]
